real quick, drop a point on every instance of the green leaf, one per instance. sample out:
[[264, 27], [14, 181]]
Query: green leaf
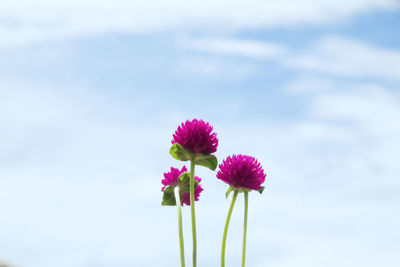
[[230, 189], [209, 161], [181, 153], [178, 152], [184, 182], [261, 190], [169, 197]]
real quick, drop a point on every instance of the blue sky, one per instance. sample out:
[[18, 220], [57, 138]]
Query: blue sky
[[91, 92]]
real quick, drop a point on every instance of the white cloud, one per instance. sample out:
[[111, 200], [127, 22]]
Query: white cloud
[[366, 103], [215, 67], [88, 194], [332, 180], [25, 21], [71, 169], [309, 84], [346, 57], [235, 47], [326, 56], [62, 180]]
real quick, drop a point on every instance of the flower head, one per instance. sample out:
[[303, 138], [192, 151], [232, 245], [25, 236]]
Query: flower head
[[172, 179], [242, 171], [197, 136]]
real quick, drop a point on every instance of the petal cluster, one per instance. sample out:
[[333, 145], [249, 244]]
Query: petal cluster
[[172, 179], [197, 136], [242, 171]]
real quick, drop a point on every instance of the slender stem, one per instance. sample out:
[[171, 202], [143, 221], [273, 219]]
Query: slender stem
[[193, 212], [246, 210], [228, 218], [178, 204]]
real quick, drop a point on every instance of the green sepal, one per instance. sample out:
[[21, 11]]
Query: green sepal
[[241, 190], [208, 161], [261, 190], [178, 152], [168, 197], [184, 182], [181, 153], [230, 189]]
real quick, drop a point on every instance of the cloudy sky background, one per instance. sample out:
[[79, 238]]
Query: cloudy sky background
[[91, 92]]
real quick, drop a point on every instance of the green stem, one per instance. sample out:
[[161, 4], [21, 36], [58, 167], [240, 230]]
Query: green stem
[[178, 204], [228, 218], [246, 210], [193, 212]]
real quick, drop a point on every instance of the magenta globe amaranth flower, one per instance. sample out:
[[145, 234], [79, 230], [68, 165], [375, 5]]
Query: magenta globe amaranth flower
[[242, 171], [180, 187], [196, 136], [171, 179], [243, 174]]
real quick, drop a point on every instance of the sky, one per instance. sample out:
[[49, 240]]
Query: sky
[[92, 91]]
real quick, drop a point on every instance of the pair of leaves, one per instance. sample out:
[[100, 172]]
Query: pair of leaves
[[230, 189], [184, 186], [179, 152]]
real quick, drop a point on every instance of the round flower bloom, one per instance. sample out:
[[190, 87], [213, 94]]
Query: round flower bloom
[[172, 179], [242, 171], [197, 136]]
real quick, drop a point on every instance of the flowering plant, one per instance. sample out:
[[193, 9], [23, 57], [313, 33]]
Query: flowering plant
[[196, 142], [243, 174]]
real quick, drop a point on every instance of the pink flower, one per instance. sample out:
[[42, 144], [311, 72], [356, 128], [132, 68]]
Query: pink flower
[[242, 171], [197, 136], [172, 179]]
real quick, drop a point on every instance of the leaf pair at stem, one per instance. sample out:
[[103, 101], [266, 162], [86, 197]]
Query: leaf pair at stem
[[178, 152]]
